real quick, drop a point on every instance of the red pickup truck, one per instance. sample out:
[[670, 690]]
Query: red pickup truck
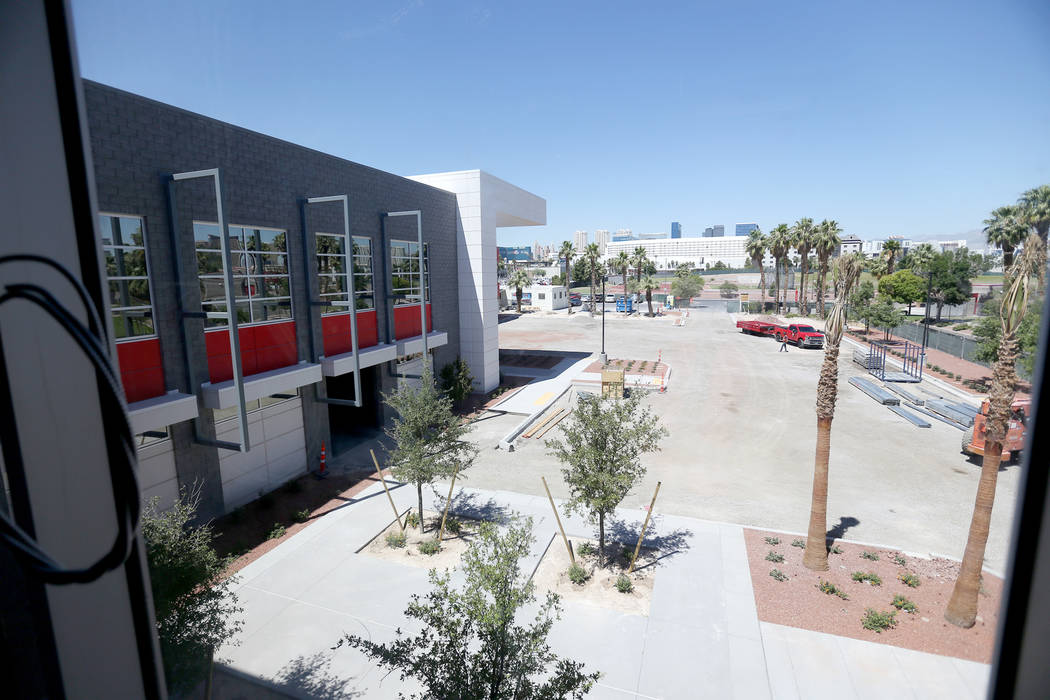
[[757, 327], [801, 335]]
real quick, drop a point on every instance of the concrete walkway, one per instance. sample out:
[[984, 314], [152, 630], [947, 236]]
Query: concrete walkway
[[535, 396], [702, 637]]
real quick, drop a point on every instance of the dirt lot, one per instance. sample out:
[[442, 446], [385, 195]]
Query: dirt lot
[[600, 587], [453, 544]]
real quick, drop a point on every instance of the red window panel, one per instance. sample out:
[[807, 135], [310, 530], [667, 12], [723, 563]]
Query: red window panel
[[406, 321], [141, 369]]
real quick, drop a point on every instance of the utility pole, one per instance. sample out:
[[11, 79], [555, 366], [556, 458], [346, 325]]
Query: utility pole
[[603, 358]]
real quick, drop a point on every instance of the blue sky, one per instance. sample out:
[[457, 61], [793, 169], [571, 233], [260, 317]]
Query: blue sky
[[910, 118]]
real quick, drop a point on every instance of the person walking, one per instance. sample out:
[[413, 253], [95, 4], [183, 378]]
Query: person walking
[[783, 345]]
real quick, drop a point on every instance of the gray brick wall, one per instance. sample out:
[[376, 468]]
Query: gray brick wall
[[137, 143]]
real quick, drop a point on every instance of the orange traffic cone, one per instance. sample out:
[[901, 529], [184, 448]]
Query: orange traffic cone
[[322, 471]]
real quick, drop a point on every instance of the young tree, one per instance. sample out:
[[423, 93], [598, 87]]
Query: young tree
[[1028, 267], [903, 287], [861, 301], [816, 552], [687, 286], [603, 442], [194, 602], [728, 290], [456, 380], [883, 314], [519, 279], [951, 279], [428, 438], [469, 645]]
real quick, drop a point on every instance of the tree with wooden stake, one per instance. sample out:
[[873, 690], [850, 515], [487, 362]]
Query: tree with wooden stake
[[601, 446], [568, 547], [846, 272], [469, 645], [428, 437], [641, 535], [397, 516], [1026, 271]]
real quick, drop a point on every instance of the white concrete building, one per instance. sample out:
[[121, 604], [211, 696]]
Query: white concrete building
[[485, 204], [580, 241], [549, 297], [667, 253], [849, 245], [601, 237]]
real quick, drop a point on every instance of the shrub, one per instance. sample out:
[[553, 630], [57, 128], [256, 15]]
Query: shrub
[[773, 541], [453, 525], [301, 516], [909, 579], [623, 584], [412, 520], [396, 540], [878, 621], [429, 547], [577, 574], [627, 552], [861, 576], [898, 559], [456, 380], [277, 532], [774, 557], [778, 575], [902, 603], [831, 589], [587, 550], [801, 544], [870, 556], [836, 549]]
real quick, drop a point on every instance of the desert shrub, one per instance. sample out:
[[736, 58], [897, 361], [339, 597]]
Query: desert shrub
[[836, 549], [301, 516], [772, 541], [429, 547], [412, 520], [778, 575], [877, 621], [453, 525], [623, 584], [396, 540], [861, 576], [276, 532], [577, 574], [587, 549], [774, 557], [831, 589], [801, 544], [909, 579], [870, 556], [902, 603], [898, 559]]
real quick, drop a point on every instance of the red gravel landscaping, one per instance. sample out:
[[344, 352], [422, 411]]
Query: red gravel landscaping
[[798, 602]]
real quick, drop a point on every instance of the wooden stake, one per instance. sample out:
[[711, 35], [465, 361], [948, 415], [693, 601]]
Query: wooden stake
[[644, 525], [397, 516], [448, 502], [572, 557]]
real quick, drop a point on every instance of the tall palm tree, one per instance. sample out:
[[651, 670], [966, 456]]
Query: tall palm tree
[[779, 242], [567, 252], [592, 254], [621, 263], [1006, 228], [648, 284], [803, 234], [756, 251], [519, 279], [639, 258], [825, 242], [1018, 286], [890, 250], [922, 257], [879, 268], [1035, 204], [815, 557]]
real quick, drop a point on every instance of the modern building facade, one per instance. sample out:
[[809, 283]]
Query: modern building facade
[[667, 253], [333, 300], [601, 237], [676, 229], [579, 240], [745, 229], [849, 244], [717, 231], [623, 234]]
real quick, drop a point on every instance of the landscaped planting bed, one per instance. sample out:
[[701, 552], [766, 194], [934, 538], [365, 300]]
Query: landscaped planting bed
[[869, 593], [453, 544], [600, 585]]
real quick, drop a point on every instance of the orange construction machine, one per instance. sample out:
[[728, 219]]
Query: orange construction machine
[[973, 440]]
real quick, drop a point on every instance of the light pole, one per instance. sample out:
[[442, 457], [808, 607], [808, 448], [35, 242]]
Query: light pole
[[926, 325], [603, 358]]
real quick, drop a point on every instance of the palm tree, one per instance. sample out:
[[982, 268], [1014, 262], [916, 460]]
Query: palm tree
[[879, 268], [1030, 265], [592, 254], [756, 251], [648, 284], [621, 263], [890, 250], [803, 234], [1006, 228], [568, 250], [815, 557], [1035, 204], [519, 279], [825, 242], [639, 258], [779, 242], [922, 257]]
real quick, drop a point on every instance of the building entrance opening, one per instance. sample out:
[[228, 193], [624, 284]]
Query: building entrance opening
[[351, 426]]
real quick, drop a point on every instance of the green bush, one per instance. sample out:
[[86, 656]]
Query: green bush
[[396, 540], [909, 579], [412, 520], [577, 574], [898, 559], [870, 556], [276, 532], [587, 549], [453, 525], [902, 603], [831, 589], [301, 516], [627, 552], [773, 541], [801, 544], [836, 549], [778, 575], [878, 621], [456, 380], [861, 576], [623, 584], [774, 557], [429, 547]]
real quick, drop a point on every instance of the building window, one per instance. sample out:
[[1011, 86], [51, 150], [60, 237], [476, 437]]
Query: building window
[[222, 414], [332, 275], [127, 271], [262, 287], [404, 265]]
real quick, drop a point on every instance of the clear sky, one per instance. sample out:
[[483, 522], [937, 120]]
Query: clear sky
[[911, 118]]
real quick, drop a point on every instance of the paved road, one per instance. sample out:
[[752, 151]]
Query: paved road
[[743, 434]]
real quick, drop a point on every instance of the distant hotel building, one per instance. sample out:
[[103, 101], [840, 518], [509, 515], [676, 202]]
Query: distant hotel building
[[666, 253], [601, 237], [850, 244], [676, 229], [745, 229], [715, 231], [580, 241], [623, 234]]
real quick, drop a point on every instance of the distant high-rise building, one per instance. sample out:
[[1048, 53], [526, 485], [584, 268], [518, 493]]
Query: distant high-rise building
[[601, 237], [623, 234], [580, 241], [651, 236], [676, 229], [708, 232], [537, 251], [716, 231], [745, 229]]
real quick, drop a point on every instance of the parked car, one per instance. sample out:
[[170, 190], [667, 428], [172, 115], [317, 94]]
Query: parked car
[[585, 299], [575, 299], [610, 298], [800, 335]]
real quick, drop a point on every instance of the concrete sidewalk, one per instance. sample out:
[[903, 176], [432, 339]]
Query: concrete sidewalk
[[535, 396], [702, 637]]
